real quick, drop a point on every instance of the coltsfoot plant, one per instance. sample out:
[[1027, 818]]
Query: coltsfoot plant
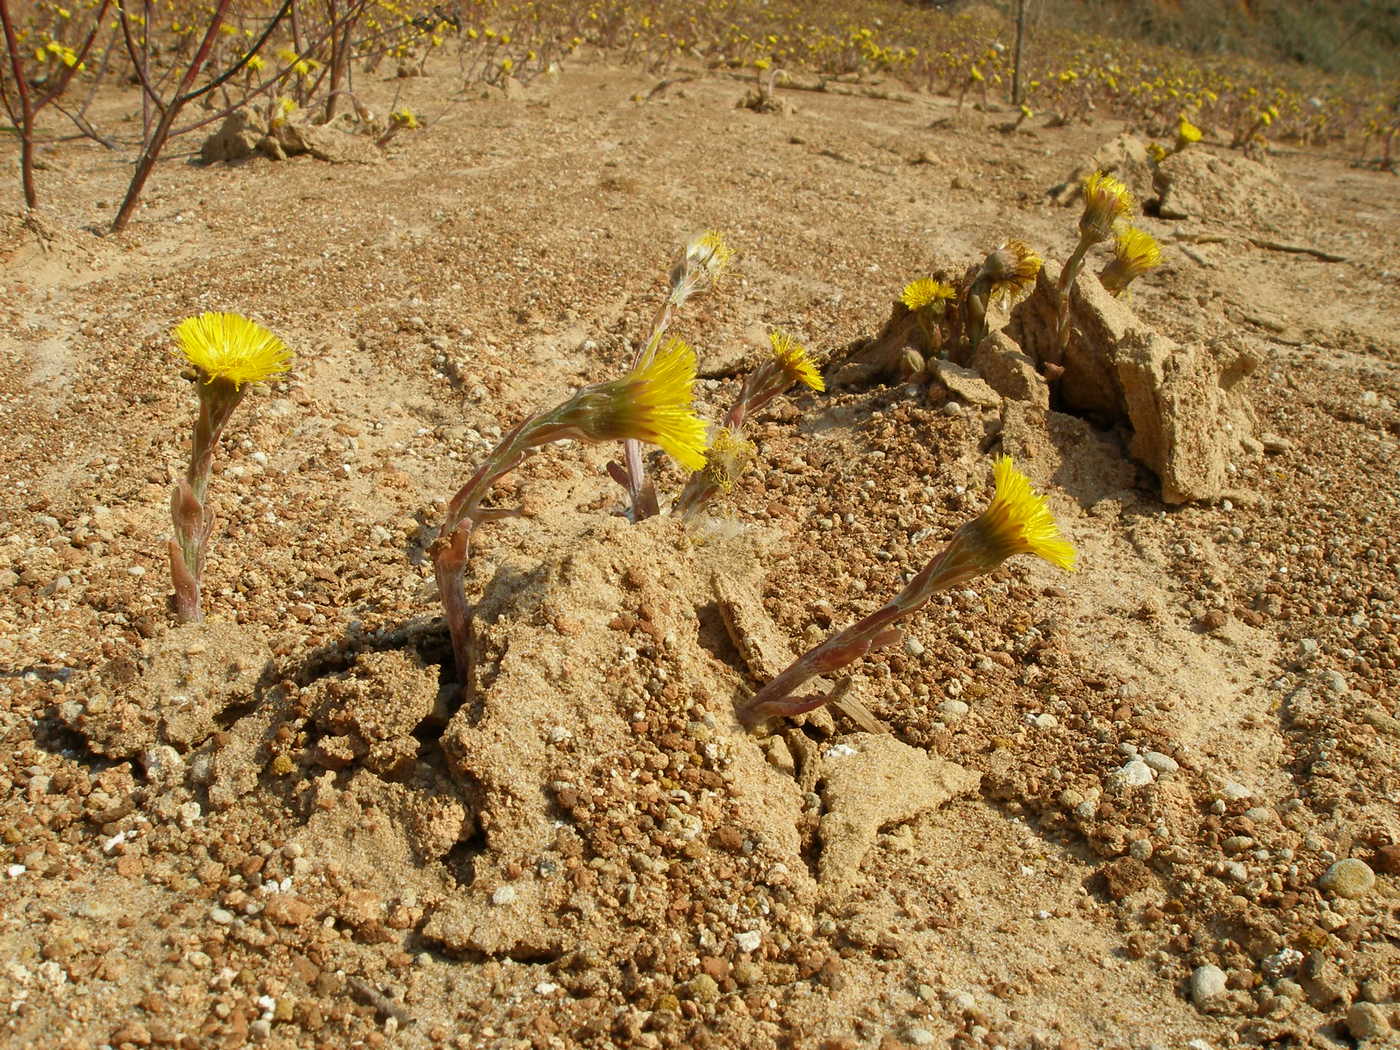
[[651, 403], [1016, 522], [1007, 273], [731, 453], [927, 299], [1135, 252], [228, 352], [1107, 202], [701, 265]]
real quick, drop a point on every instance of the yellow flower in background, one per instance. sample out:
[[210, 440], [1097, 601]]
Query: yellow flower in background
[[925, 291], [795, 360], [1186, 133], [652, 403], [232, 348], [1017, 522], [405, 118], [1134, 253], [1011, 270], [1106, 200]]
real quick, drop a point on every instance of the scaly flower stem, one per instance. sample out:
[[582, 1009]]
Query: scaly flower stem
[[975, 313], [1067, 277], [189, 512], [960, 561], [641, 495], [453, 544]]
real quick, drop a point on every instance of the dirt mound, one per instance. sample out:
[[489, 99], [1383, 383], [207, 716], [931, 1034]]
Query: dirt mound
[[1228, 189]]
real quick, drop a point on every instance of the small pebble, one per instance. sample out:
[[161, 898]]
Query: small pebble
[[1207, 984], [1235, 791], [1159, 762], [221, 915], [918, 1037], [953, 710], [504, 895], [749, 940], [1135, 773], [1348, 878]]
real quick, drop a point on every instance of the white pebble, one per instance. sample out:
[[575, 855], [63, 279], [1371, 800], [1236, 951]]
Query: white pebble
[[1159, 762], [1207, 984], [504, 895], [1135, 773], [749, 940]]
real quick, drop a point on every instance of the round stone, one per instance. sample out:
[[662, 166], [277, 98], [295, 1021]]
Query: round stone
[[1348, 878], [1207, 984], [1367, 1021]]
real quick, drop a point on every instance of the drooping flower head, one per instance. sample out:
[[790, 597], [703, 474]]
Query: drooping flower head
[[702, 263], [795, 360], [1134, 253], [926, 292], [232, 348], [729, 457], [1010, 270], [1106, 201], [652, 403], [1017, 522]]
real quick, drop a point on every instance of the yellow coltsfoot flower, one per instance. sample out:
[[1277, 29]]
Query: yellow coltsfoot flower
[[1135, 252], [1010, 271], [795, 360], [231, 347], [1016, 522], [925, 291], [652, 403], [1106, 201]]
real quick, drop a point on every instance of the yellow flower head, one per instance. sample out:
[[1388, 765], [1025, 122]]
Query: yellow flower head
[[729, 457], [703, 262], [795, 360], [1186, 133], [652, 403], [232, 348], [405, 118], [1011, 270], [924, 292], [1106, 200], [1017, 522], [1134, 253], [1157, 152]]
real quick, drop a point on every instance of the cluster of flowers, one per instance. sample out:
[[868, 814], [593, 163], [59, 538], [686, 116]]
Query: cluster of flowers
[[653, 403]]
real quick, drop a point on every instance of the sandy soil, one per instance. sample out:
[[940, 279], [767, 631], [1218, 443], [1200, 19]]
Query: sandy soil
[[282, 826]]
